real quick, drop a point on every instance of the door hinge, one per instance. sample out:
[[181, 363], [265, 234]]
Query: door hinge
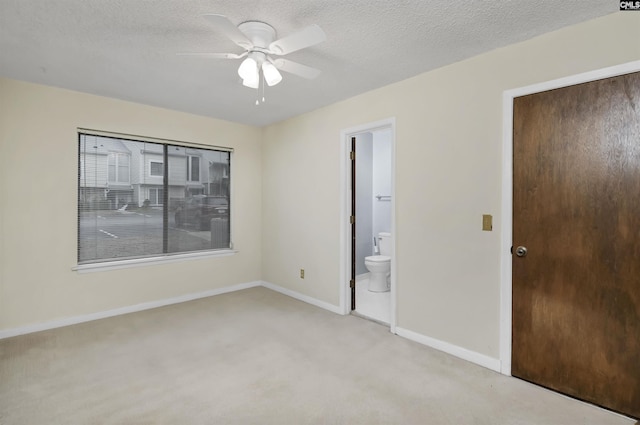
[[352, 283], [352, 219], [352, 155]]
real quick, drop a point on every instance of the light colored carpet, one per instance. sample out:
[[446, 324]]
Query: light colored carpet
[[257, 357]]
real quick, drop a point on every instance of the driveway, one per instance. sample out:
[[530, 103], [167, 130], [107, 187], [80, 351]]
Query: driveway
[[108, 234]]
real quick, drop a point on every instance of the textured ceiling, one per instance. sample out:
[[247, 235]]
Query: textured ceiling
[[126, 49]]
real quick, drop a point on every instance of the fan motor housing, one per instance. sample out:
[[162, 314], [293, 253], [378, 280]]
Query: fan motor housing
[[260, 33]]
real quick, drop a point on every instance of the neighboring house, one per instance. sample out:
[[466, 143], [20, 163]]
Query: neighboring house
[[218, 178], [116, 172], [148, 173], [105, 173]]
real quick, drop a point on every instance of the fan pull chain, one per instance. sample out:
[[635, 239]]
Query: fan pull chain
[[257, 94], [264, 83]]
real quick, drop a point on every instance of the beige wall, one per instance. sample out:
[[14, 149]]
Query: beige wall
[[38, 216], [287, 206], [448, 173]]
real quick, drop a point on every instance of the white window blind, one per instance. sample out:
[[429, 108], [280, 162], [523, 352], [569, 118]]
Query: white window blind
[[141, 199]]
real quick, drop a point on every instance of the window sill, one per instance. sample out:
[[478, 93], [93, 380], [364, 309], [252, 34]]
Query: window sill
[[138, 262]]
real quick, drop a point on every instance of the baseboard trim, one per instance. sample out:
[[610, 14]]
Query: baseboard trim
[[305, 298], [363, 276], [454, 350], [123, 310]]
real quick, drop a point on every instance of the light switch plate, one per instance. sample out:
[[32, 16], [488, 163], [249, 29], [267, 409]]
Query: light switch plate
[[487, 222]]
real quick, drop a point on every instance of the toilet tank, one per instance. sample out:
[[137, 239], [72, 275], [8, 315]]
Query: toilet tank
[[384, 240]]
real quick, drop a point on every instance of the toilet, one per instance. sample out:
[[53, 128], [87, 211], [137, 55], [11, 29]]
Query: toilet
[[379, 266]]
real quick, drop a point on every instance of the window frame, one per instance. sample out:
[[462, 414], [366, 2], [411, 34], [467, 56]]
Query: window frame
[[159, 196], [190, 159], [166, 257], [155, 161], [116, 168]]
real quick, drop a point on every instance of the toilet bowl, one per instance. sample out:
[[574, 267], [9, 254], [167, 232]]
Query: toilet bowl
[[379, 266]]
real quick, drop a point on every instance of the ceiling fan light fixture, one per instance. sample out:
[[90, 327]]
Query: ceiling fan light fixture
[[252, 83], [248, 70], [271, 74], [258, 39]]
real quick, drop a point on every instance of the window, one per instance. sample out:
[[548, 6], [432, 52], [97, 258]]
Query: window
[[156, 196], [126, 211], [118, 167], [193, 168], [156, 168]]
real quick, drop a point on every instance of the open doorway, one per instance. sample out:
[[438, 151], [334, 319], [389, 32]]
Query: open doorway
[[368, 230]]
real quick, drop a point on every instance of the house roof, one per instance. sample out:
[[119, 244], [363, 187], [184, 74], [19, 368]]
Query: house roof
[[127, 50], [102, 145]]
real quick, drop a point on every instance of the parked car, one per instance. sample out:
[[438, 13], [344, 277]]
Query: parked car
[[198, 211]]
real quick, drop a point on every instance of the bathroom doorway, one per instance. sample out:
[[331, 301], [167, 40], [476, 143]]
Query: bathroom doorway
[[368, 260]]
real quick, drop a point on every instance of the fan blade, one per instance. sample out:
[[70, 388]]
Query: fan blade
[[296, 68], [215, 55], [227, 27], [298, 40]]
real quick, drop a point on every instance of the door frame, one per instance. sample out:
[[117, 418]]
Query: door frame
[[507, 189], [345, 212]]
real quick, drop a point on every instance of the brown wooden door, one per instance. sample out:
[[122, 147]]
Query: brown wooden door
[[576, 208]]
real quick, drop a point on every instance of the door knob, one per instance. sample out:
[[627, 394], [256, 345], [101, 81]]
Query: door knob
[[521, 251]]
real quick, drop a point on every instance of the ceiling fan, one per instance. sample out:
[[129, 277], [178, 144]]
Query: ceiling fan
[[260, 44]]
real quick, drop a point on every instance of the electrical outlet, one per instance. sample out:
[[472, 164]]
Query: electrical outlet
[[301, 273]]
